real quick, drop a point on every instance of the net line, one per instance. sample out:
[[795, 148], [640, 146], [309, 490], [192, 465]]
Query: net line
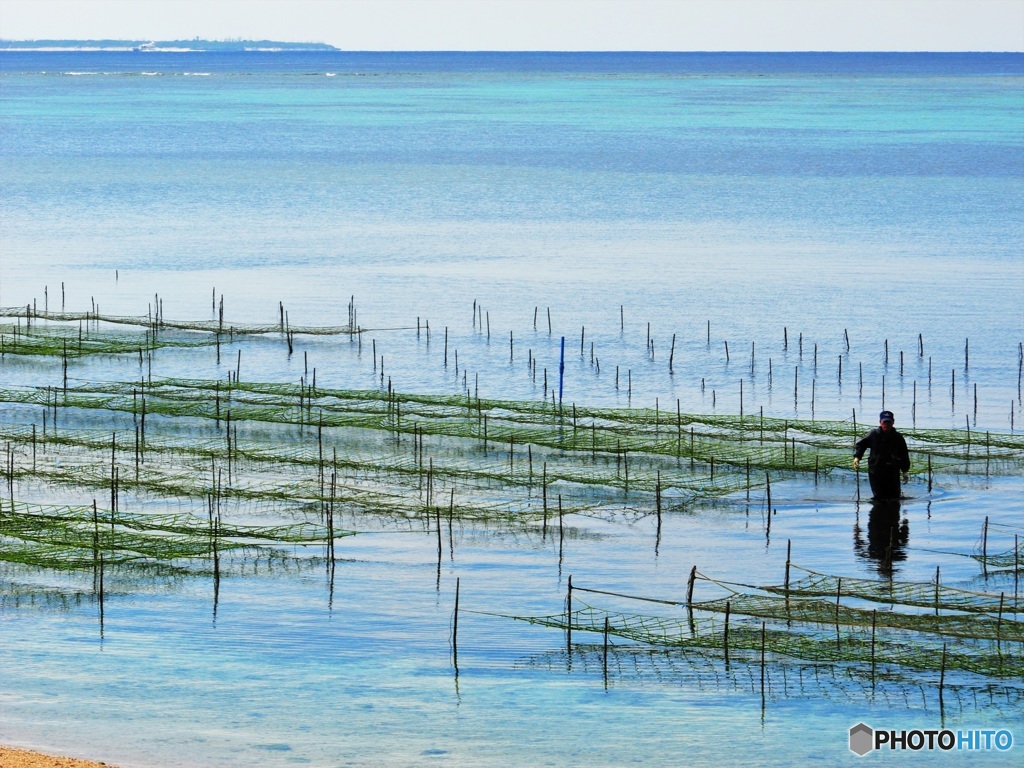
[[918, 594], [852, 645]]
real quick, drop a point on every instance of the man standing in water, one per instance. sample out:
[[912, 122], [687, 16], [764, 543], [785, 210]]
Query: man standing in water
[[888, 459]]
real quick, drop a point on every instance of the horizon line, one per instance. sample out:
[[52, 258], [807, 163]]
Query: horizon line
[[7, 41]]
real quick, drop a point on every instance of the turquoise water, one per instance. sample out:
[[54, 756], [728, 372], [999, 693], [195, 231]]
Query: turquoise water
[[823, 195], [790, 202]]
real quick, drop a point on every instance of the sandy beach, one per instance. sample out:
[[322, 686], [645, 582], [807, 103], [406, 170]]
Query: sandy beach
[[23, 758]]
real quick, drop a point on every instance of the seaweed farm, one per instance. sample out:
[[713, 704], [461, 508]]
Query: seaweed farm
[[498, 409], [154, 485]]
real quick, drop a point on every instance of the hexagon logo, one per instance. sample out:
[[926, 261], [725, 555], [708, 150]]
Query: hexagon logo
[[861, 739]]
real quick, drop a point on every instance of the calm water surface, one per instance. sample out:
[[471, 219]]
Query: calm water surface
[[775, 214]]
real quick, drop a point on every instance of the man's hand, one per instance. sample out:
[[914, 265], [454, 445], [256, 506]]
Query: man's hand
[[906, 477], [856, 463]]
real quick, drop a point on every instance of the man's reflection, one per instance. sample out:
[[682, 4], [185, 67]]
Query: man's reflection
[[887, 536]]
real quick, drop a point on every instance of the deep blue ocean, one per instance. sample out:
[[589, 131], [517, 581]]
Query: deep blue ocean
[[770, 216]]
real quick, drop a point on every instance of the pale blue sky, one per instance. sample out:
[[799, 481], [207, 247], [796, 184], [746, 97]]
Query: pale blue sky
[[863, 25]]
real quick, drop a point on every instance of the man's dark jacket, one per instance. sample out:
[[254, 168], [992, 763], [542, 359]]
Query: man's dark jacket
[[888, 451]]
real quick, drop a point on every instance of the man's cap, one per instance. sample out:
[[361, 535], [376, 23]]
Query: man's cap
[[886, 416]]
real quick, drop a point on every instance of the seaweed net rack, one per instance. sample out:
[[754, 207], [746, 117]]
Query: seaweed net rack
[[158, 322], [794, 621]]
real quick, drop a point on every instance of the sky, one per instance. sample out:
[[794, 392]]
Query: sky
[[564, 25]]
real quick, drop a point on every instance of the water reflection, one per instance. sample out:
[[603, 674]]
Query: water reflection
[[887, 536]]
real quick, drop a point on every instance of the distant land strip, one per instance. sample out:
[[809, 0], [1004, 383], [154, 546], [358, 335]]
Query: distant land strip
[[196, 44]]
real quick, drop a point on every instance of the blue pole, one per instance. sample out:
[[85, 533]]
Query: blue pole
[[561, 373]]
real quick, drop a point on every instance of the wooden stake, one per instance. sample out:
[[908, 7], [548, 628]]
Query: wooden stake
[[568, 616], [561, 529], [451, 514], [999, 621], [455, 621], [725, 635], [606, 647], [789, 552], [984, 547], [437, 511], [763, 643], [942, 673], [873, 619], [544, 491]]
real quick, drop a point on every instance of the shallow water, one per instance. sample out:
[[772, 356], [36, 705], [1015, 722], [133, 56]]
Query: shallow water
[[790, 202], [366, 675]]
